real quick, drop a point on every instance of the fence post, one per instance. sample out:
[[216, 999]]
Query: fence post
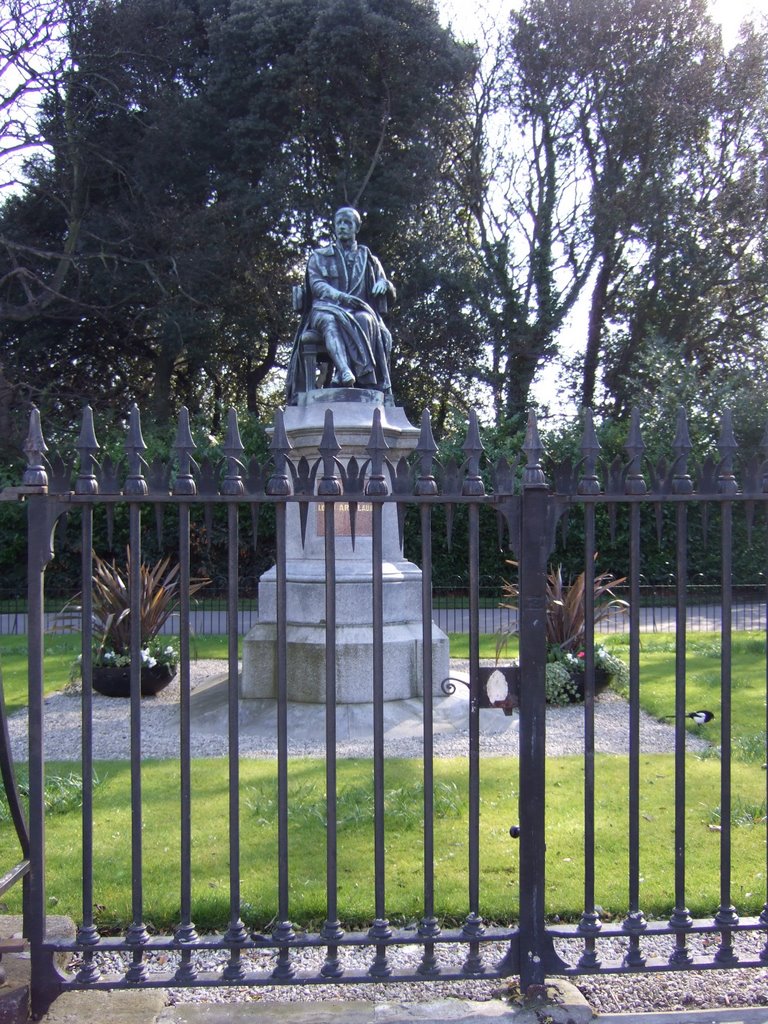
[[535, 513], [42, 514], [41, 520]]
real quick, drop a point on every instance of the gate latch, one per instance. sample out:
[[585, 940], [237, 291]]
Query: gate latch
[[500, 687]]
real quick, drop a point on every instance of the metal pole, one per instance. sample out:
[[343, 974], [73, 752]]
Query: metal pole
[[38, 554], [533, 660]]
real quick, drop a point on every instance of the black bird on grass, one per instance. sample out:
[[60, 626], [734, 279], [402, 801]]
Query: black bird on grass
[[699, 717]]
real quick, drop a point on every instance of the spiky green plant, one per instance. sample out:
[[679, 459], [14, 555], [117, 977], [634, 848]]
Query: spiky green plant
[[566, 615], [158, 598], [111, 604]]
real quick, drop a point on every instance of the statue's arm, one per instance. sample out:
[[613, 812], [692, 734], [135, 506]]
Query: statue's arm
[[381, 284]]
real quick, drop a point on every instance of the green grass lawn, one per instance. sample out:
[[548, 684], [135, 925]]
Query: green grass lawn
[[657, 680], [499, 871], [499, 854], [703, 671], [60, 652]]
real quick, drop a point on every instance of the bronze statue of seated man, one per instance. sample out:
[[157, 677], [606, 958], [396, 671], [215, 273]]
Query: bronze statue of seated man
[[344, 295]]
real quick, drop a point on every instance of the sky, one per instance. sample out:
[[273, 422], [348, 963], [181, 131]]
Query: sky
[[464, 15]]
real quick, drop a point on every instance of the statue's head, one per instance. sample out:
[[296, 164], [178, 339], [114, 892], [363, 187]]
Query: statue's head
[[347, 213]]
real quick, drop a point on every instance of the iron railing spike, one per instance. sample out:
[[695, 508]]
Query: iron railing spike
[[86, 482], [589, 444], [377, 442], [472, 444], [184, 445], [184, 440], [279, 484], [329, 448], [727, 446], [87, 439], [279, 442], [35, 474], [426, 438], [233, 442], [377, 449], [634, 482], [590, 451], [473, 449], [233, 449], [681, 480], [135, 438], [425, 451], [134, 446], [328, 442], [764, 449], [682, 443], [533, 474], [727, 442]]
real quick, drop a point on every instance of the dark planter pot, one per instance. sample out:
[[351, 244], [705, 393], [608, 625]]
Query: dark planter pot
[[116, 682], [602, 679]]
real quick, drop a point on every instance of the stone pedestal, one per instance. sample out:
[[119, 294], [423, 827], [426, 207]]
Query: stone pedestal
[[305, 574]]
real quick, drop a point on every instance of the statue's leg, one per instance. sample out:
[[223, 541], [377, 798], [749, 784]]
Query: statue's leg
[[336, 348], [360, 351]]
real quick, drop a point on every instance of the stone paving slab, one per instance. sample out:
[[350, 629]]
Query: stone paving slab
[[757, 1015], [563, 1004], [147, 1008]]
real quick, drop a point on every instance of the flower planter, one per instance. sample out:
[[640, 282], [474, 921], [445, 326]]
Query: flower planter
[[116, 682], [602, 680]]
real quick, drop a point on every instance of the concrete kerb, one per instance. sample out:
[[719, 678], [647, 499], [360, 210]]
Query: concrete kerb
[[559, 1002], [562, 1004], [556, 1003], [749, 1015]]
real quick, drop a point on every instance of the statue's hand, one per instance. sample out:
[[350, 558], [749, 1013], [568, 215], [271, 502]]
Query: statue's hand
[[380, 286]]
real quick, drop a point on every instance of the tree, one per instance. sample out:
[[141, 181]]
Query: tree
[[32, 58], [196, 151], [587, 136], [698, 287], [516, 171]]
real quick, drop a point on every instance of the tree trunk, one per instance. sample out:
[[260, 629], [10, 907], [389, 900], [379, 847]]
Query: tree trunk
[[162, 387], [597, 312]]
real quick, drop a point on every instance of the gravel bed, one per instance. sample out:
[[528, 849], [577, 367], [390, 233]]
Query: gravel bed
[[672, 991], [626, 993], [160, 729]]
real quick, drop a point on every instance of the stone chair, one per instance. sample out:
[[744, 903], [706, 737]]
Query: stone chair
[[313, 351]]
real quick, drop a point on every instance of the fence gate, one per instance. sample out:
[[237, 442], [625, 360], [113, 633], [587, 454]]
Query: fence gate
[[528, 940]]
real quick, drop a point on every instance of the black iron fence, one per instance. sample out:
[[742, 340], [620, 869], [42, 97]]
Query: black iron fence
[[522, 940], [658, 612], [209, 615]]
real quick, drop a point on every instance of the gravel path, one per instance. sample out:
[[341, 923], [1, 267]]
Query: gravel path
[[607, 994], [160, 727], [612, 993]]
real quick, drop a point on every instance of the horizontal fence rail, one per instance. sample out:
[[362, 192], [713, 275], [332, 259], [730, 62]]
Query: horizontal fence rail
[[345, 504], [450, 611]]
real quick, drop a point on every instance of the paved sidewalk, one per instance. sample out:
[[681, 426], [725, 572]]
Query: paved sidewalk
[[725, 1016], [147, 1008]]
